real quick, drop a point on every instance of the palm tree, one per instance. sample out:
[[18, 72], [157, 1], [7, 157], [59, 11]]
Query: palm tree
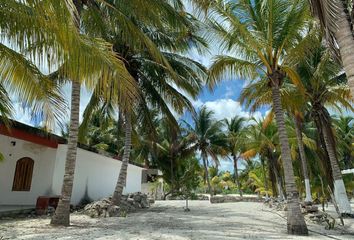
[[345, 138], [23, 26], [322, 87], [47, 32], [265, 36], [336, 17], [208, 139], [258, 94], [235, 130], [175, 147], [157, 66], [261, 138], [300, 143], [105, 74]]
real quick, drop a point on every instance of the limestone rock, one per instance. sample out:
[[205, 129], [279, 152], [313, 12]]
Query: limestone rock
[[129, 203]]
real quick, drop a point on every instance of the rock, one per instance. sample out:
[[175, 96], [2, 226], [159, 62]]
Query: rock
[[113, 211], [144, 203], [129, 203], [311, 209], [137, 198], [202, 197]]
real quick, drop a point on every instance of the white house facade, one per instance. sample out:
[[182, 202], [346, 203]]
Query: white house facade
[[34, 162]]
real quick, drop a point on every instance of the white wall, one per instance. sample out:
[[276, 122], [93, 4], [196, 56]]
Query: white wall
[[44, 158], [95, 173]]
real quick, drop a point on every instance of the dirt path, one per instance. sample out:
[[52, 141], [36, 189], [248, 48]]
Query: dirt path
[[166, 220]]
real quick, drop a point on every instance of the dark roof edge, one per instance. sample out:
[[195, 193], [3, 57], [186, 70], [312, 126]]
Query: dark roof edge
[[33, 130], [61, 140]]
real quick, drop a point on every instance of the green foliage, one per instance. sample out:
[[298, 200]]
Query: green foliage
[[256, 183], [344, 127], [213, 171]]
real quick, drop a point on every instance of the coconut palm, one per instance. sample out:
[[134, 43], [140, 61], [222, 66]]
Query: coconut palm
[[235, 131], [23, 25], [47, 32], [62, 213], [264, 36], [158, 67], [345, 139], [262, 139], [322, 87], [171, 149], [208, 139], [336, 17], [298, 123], [258, 94]]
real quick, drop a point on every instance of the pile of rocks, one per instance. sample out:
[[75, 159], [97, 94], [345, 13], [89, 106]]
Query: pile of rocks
[[130, 203]]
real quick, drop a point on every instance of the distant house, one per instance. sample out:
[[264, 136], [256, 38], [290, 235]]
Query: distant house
[[34, 163]]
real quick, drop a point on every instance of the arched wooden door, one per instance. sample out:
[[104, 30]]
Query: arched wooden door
[[23, 174]]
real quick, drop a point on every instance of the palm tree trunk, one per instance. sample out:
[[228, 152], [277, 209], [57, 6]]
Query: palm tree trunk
[[340, 193], [295, 219], [237, 181], [279, 184], [272, 178], [62, 213], [265, 178], [122, 179], [345, 41], [207, 175], [303, 159], [172, 175], [274, 167]]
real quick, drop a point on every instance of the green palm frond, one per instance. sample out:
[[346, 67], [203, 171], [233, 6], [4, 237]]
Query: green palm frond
[[25, 81]]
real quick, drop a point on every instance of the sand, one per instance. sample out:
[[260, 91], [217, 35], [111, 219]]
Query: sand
[[166, 220]]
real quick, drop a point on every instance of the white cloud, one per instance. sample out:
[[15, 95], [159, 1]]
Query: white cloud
[[20, 114], [229, 92], [228, 108]]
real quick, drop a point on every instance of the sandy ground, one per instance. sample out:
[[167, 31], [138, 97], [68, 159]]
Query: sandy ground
[[166, 220]]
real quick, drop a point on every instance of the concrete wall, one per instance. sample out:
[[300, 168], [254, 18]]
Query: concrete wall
[[95, 175], [44, 160]]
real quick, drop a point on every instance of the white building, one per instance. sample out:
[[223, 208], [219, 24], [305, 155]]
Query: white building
[[34, 163]]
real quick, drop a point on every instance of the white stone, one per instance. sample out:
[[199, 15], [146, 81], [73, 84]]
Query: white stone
[[341, 198], [308, 191]]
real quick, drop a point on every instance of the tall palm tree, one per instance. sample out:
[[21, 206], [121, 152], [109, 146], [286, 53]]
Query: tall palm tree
[[336, 17], [322, 87], [62, 213], [47, 32], [234, 136], [265, 36], [300, 142], [261, 138], [208, 139], [258, 94], [157, 66], [175, 147]]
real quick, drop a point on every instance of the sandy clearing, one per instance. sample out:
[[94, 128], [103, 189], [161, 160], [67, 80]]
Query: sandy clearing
[[166, 220]]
